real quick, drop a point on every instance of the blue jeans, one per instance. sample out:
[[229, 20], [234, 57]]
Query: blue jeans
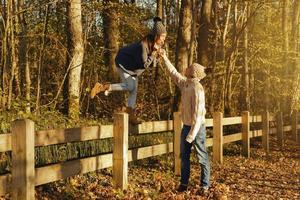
[[129, 83], [185, 152]]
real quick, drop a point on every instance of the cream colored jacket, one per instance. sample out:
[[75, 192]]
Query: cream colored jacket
[[192, 100]]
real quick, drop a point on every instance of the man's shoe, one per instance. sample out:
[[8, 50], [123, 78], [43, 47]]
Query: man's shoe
[[204, 190], [100, 88], [182, 188]]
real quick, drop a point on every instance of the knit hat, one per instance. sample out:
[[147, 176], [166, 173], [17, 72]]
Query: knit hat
[[195, 71], [158, 27]]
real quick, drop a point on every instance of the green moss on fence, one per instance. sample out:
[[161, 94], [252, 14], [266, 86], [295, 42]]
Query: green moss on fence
[[63, 152]]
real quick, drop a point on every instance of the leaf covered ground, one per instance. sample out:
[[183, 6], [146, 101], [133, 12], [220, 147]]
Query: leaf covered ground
[[276, 176]]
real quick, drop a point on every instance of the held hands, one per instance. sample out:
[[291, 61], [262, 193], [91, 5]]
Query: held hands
[[162, 53], [156, 48], [159, 51]]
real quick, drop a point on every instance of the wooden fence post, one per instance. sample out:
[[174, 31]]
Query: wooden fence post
[[218, 137], [294, 125], [279, 130], [265, 131], [120, 150], [246, 134], [23, 173], [177, 124]]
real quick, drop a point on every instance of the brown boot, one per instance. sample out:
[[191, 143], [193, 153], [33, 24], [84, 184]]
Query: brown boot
[[99, 88], [132, 117]]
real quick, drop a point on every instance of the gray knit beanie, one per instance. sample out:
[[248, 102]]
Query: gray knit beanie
[[158, 27], [195, 70]]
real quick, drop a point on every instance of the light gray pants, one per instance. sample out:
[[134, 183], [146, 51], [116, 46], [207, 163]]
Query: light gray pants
[[129, 83]]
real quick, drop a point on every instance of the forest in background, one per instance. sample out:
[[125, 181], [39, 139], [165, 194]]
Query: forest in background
[[52, 53]]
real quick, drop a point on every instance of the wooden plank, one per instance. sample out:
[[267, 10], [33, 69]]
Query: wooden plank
[[232, 138], [5, 142], [145, 152], [209, 142], [232, 120], [265, 132], [246, 134], [23, 160], [209, 123], [176, 140], [64, 170], [238, 136], [106, 131], [256, 118], [120, 151], [67, 169], [279, 126], [58, 136], [218, 138], [155, 126], [255, 133], [5, 184], [287, 128]]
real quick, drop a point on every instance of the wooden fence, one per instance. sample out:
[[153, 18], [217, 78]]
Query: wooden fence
[[23, 139]]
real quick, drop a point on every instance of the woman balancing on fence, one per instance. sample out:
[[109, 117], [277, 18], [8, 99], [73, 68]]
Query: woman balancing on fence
[[193, 117], [131, 61]]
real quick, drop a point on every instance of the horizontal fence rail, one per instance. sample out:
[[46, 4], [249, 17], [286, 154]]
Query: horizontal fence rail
[[61, 136], [231, 120]]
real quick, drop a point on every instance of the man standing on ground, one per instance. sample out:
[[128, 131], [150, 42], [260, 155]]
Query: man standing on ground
[[193, 117]]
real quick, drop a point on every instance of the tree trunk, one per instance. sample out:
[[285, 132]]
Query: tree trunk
[[244, 92], [183, 35], [159, 8], [195, 6], [229, 3], [183, 42], [19, 53], [5, 56], [267, 87], [224, 36], [285, 47], [177, 12], [76, 53], [295, 27], [40, 63], [231, 60], [65, 103], [23, 61], [203, 32], [111, 37], [14, 55], [296, 59], [228, 84], [167, 21], [285, 28], [28, 84], [214, 58]]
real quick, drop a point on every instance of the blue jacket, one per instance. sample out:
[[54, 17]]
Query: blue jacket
[[136, 56]]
